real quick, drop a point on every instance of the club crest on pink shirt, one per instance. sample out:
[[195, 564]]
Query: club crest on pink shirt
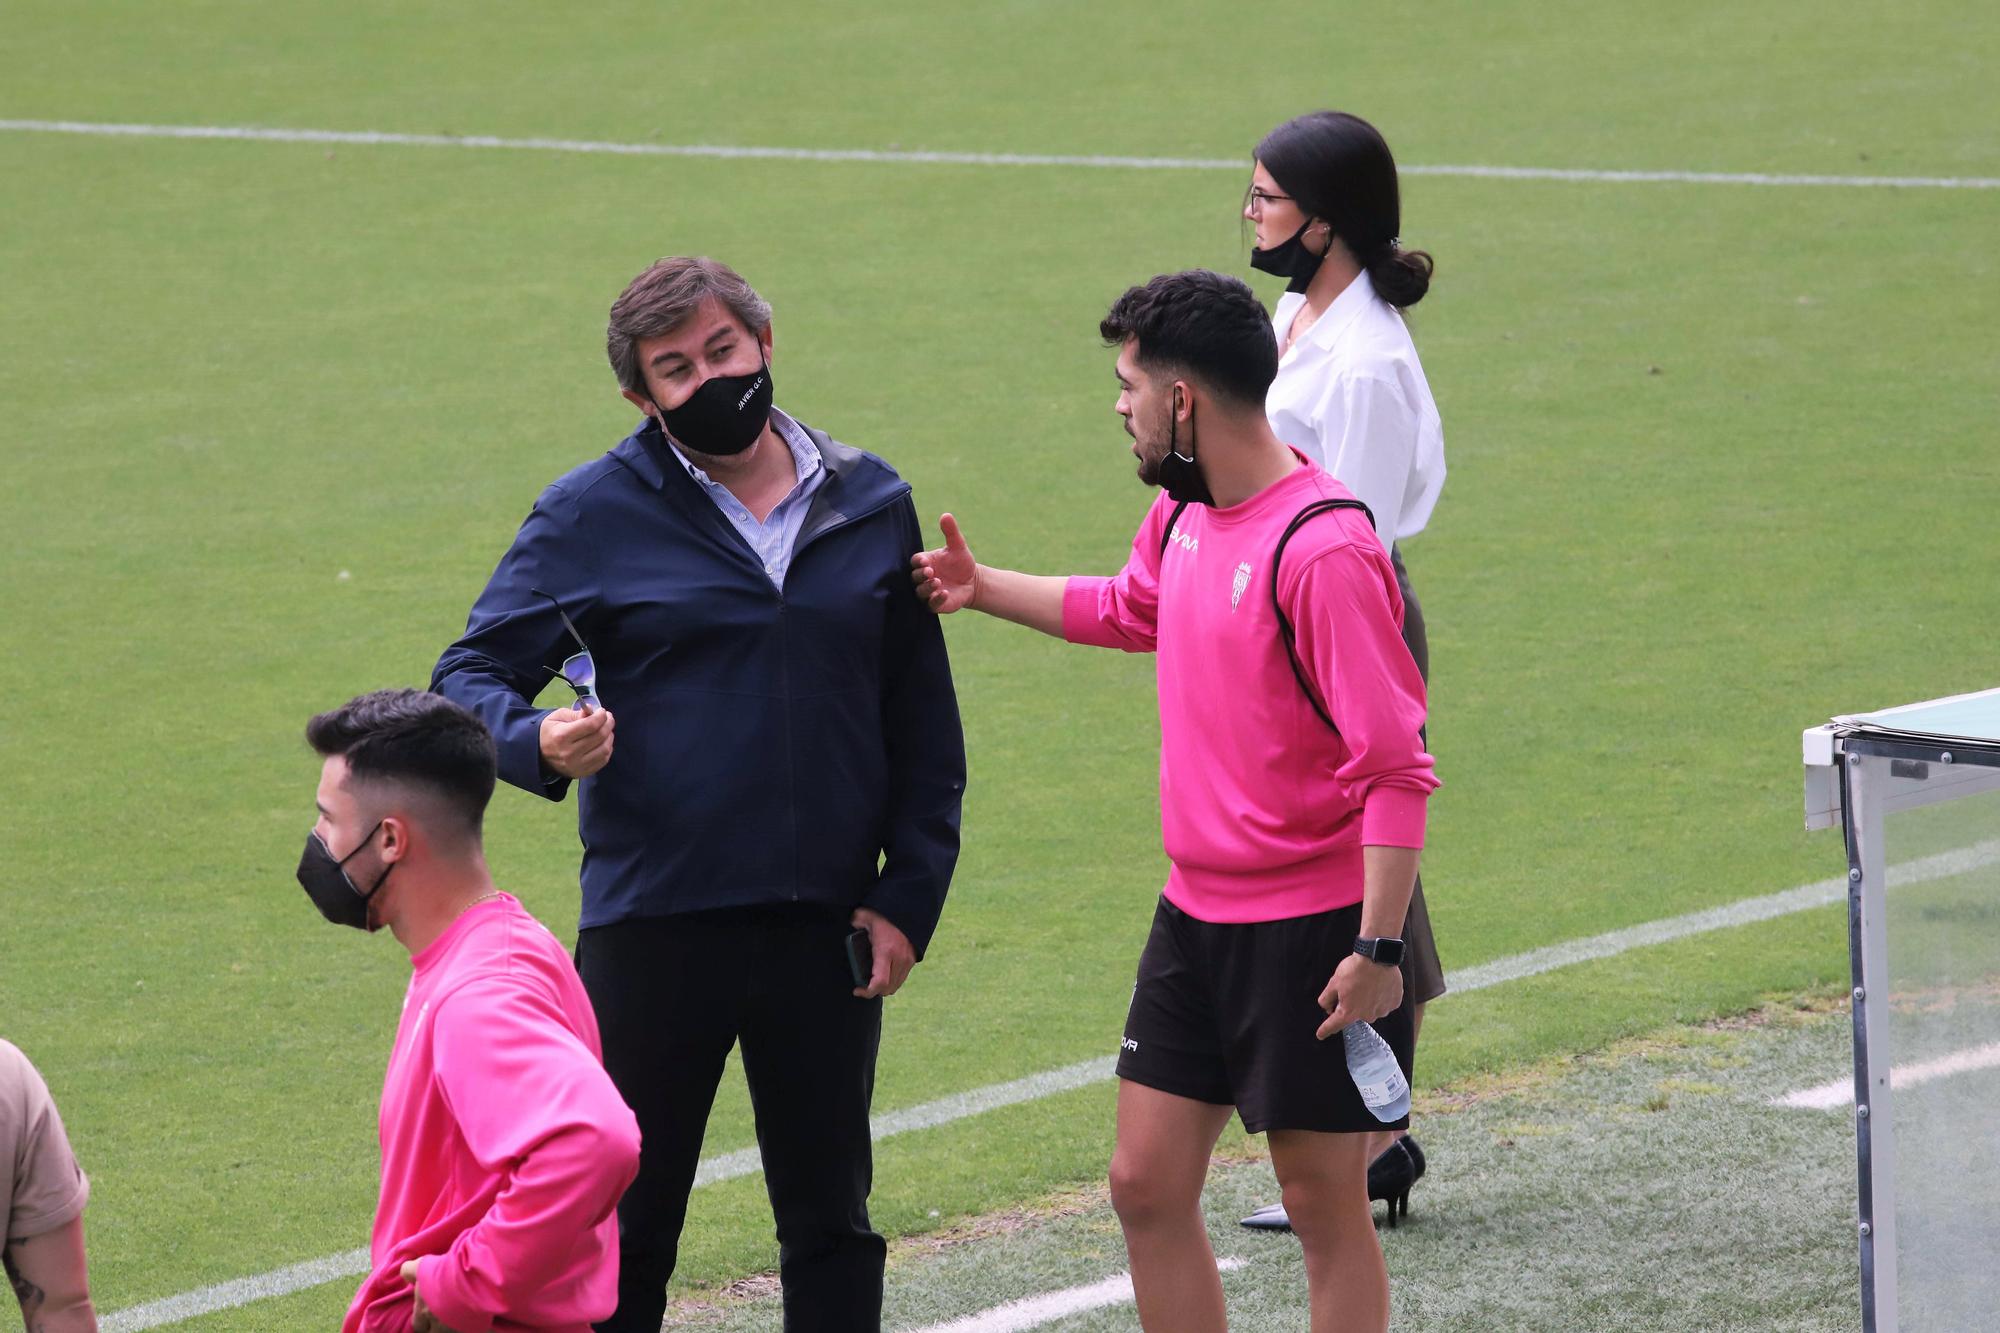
[[1242, 582]]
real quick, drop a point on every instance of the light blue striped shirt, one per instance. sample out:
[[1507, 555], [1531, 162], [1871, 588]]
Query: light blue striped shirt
[[773, 539]]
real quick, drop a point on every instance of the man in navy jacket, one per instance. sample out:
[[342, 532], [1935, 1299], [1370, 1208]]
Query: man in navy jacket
[[767, 752]]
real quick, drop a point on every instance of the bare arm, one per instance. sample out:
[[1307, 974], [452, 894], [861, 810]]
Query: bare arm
[[51, 1280], [1034, 600], [1389, 877], [1361, 990], [949, 579]]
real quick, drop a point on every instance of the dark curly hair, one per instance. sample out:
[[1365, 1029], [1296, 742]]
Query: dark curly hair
[[1207, 326]]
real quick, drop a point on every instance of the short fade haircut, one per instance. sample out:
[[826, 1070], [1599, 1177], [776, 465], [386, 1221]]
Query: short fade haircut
[[1204, 325], [421, 742], [665, 297]]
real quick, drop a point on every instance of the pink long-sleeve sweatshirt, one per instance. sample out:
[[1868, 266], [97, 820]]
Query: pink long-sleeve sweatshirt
[[1264, 810], [505, 1146]]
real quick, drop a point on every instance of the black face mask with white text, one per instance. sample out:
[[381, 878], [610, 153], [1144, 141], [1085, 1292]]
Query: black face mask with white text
[[724, 415]]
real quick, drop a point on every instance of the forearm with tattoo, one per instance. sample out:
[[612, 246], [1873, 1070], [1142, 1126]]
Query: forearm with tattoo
[[27, 1293], [48, 1275]]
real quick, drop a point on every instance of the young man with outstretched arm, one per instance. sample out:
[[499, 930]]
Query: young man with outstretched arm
[[1293, 788]]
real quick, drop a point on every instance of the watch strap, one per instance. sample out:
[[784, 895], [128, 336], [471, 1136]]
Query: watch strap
[[1380, 949]]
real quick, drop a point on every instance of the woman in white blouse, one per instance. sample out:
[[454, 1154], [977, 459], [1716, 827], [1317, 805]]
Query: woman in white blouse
[[1351, 396]]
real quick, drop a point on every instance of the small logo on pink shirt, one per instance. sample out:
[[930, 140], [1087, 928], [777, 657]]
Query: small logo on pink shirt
[[1242, 581]]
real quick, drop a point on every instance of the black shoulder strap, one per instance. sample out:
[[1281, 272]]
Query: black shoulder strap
[[1299, 520], [1167, 533]]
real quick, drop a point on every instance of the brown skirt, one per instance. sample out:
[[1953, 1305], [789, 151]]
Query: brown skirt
[[1423, 974]]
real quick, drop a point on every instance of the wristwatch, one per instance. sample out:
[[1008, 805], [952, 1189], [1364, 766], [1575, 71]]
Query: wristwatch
[[1383, 950]]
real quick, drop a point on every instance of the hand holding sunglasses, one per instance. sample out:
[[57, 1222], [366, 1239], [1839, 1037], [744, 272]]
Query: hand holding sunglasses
[[577, 670], [576, 744]]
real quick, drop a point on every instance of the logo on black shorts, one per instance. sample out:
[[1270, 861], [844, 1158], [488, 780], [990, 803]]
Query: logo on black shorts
[[1128, 1045]]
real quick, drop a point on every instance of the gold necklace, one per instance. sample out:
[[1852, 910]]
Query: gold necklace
[[488, 896]]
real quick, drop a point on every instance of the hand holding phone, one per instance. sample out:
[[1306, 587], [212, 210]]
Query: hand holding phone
[[860, 958], [879, 956]]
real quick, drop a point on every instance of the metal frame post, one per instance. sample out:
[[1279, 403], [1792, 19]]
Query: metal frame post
[[1864, 784]]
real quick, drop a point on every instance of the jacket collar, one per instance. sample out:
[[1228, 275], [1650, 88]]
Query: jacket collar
[[639, 453], [856, 483]]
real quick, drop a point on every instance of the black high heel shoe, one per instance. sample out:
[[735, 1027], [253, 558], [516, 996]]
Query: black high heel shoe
[[1390, 1176]]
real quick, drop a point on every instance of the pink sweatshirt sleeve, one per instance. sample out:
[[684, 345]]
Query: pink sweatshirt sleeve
[[535, 1105], [1353, 652], [1121, 611]]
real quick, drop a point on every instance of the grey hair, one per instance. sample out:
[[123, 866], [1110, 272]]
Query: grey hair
[[664, 297]]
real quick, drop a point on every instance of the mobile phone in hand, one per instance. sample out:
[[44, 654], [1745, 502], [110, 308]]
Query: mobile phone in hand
[[860, 958]]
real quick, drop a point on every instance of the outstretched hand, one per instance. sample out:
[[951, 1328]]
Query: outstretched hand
[[948, 577]]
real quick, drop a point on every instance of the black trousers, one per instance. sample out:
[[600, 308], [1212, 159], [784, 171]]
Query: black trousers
[[672, 995]]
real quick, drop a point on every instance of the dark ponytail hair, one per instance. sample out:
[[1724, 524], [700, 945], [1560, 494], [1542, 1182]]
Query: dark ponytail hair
[[1337, 167]]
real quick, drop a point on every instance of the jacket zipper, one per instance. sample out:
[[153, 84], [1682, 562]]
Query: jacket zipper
[[785, 658]]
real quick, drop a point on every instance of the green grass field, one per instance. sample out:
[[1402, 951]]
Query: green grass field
[[1722, 463]]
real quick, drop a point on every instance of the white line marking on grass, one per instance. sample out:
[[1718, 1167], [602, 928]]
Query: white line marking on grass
[[1710, 177], [1740, 913], [1840, 1092], [945, 1110], [243, 1291], [383, 138], [1035, 1311]]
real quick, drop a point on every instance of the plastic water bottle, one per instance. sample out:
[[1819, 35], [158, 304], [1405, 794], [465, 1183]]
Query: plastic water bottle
[[1372, 1066]]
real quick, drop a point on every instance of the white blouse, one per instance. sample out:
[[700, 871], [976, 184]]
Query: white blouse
[[1351, 396]]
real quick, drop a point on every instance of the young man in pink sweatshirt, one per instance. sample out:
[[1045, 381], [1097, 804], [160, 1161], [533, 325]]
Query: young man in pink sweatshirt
[[1293, 788], [504, 1145]]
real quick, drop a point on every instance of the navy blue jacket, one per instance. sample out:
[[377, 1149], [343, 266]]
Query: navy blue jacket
[[800, 746]]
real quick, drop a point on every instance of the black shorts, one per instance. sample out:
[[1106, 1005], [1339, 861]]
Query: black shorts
[[1225, 1014]]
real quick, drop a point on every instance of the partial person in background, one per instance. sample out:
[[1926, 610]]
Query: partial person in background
[[504, 1144], [44, 1192], [1351, 395]]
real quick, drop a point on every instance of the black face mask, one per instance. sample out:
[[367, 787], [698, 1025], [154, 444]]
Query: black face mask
[[724, 415], [326, 882], [1290, 259], [1180, 475]]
